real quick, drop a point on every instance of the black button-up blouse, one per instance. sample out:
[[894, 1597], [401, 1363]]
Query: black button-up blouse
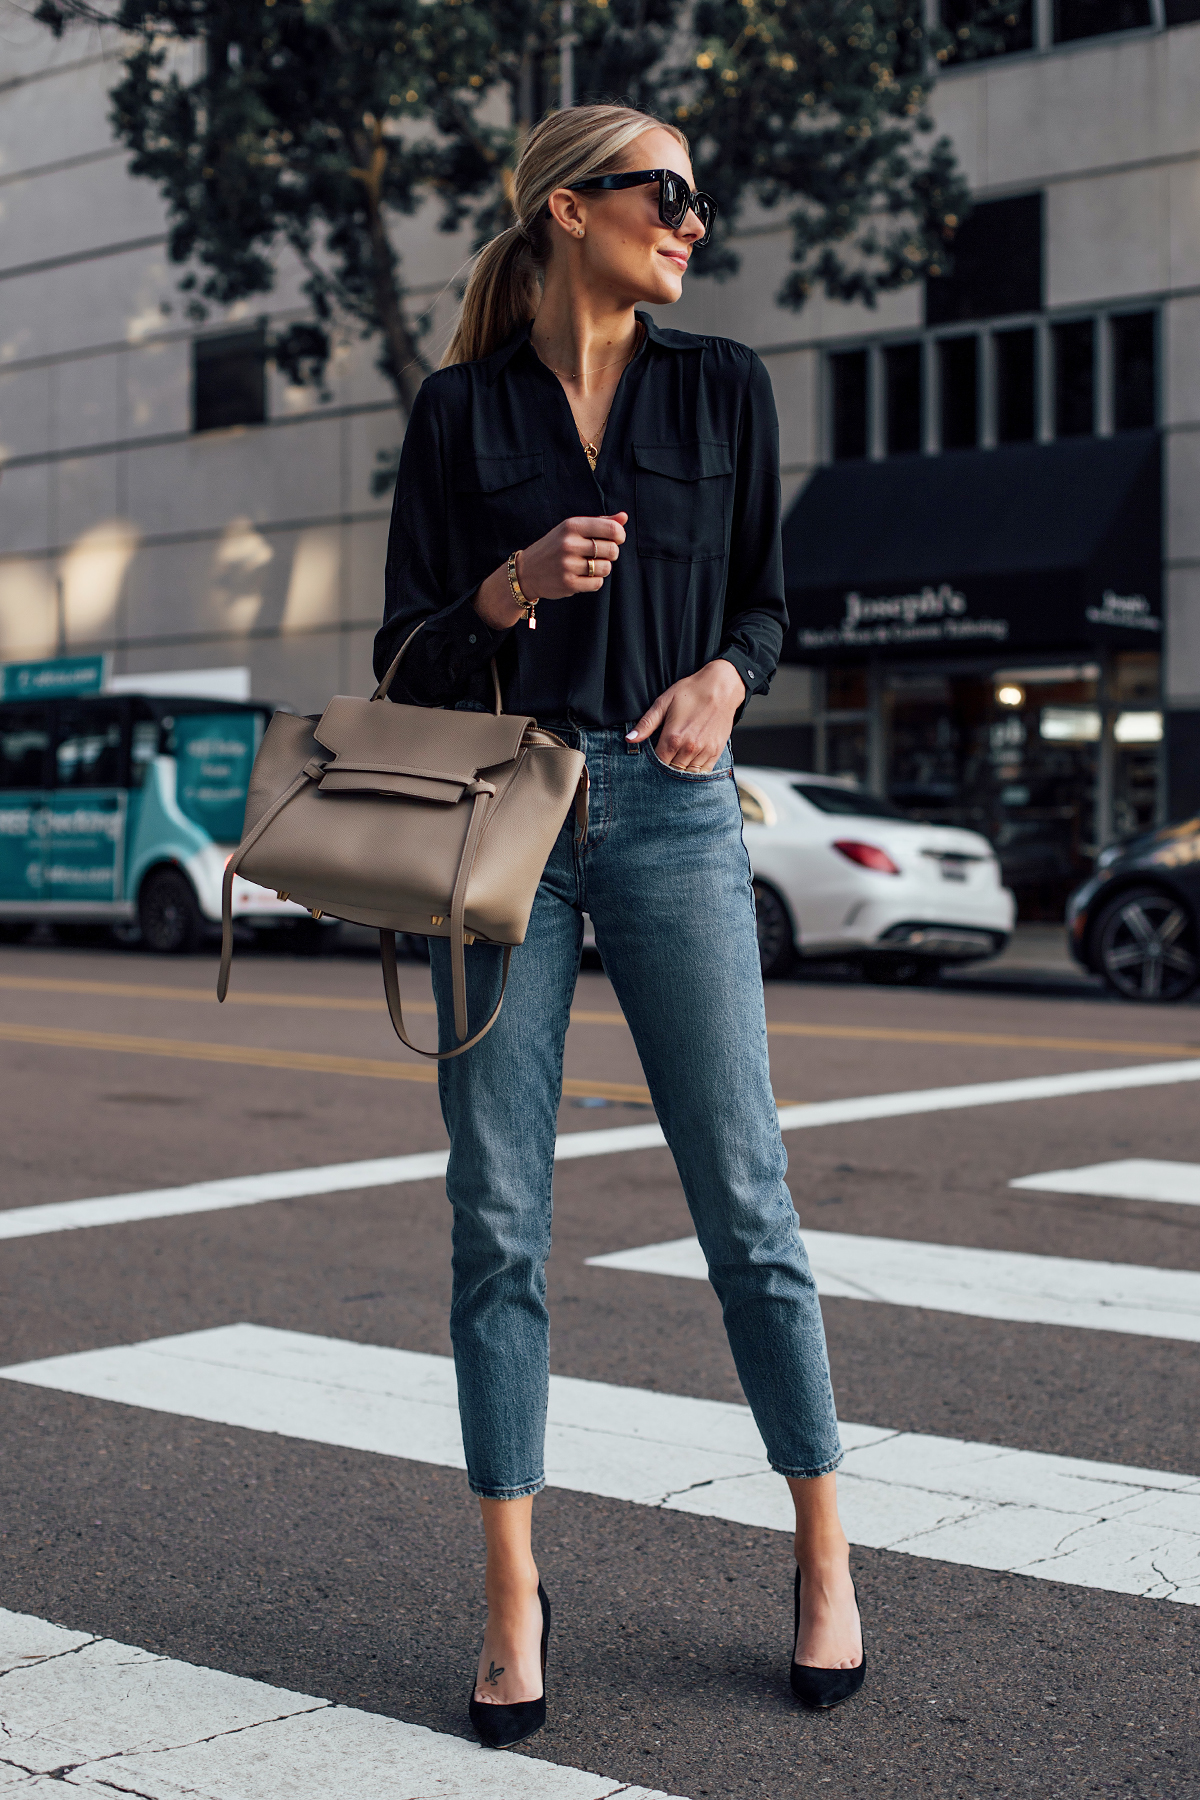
[[492, 461]]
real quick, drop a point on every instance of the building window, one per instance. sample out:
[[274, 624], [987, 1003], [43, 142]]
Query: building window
[[1134, 384], [905, 412], [1074, 378], [1016, 386], [992, 385], [958, 370], [1095, 18], [229, 380], [848, 375], [987, 31], [997, 267]]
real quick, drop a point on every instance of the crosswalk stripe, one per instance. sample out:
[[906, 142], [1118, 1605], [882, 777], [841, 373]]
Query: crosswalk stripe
[[1127, 1530], [1136, 1178], [285, 1184], [121, 1720], [983, 1284]]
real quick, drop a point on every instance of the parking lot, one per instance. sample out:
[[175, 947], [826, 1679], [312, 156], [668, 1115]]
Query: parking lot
[[266, 1500]]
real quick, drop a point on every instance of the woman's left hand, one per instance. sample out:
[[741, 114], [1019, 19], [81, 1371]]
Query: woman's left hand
[[696, 716]]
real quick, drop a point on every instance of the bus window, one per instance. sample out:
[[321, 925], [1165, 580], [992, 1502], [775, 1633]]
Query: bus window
[[143, 748], [24, 735], [88, 751], [24, 740]]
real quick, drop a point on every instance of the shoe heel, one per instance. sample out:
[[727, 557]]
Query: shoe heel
[[500, 1727], [819, 1689]]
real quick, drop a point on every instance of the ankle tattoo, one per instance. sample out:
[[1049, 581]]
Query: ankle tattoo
[[493, 1675]]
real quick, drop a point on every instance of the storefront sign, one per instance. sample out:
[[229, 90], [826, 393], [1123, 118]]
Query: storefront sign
[[938, 615], [57, 676], [1129, 612]]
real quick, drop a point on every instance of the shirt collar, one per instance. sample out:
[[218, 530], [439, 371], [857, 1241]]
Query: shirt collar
[[498, 361]]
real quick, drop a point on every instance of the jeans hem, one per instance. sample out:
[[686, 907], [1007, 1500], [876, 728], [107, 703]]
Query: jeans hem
[[825, 1468], [507, 1493]]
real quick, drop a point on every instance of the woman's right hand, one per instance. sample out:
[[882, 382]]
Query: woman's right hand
[[555, 566]]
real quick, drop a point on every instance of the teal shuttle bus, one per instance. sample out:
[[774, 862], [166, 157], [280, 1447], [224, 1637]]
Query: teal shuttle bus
[[124, 809]]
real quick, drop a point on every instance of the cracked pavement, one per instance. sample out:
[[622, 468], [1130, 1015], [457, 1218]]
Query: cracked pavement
[[352, 1581]]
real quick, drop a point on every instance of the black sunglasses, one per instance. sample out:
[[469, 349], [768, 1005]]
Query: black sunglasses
[[675, 199]]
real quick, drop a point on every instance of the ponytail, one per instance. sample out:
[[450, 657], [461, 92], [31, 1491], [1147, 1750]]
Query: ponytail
[[502, 292], [504, 288]]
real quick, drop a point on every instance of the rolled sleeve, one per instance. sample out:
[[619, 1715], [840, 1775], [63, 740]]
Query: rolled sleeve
[[756, 616]]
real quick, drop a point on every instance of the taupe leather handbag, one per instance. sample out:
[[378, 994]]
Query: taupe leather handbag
[[408, 818]]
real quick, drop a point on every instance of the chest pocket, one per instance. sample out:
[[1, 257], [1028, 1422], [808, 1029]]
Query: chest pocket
[[502, 500], [682, 494]]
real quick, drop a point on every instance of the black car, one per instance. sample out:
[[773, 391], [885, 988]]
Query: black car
[[1136, 920]]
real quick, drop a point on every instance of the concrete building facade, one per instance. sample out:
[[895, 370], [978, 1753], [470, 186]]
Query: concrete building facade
[[125, 528]]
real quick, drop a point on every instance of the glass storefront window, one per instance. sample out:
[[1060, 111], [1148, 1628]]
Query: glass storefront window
[[847, 749], [846, 688]]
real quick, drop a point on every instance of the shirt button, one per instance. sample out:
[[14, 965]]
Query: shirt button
[[471, 639]]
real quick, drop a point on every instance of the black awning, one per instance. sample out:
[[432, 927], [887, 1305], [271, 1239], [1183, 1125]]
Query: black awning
[[1027, 547]]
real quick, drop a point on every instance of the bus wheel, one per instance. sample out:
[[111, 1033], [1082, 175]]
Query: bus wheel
[[168, 914]]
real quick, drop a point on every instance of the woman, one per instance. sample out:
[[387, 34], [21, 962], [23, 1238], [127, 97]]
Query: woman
[[594, 502]]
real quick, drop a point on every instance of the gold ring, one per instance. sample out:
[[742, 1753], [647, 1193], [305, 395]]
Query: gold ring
[[591, 567]]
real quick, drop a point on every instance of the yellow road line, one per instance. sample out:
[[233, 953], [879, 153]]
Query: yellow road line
[[983, 1039], [136, 990], [308, 1062], [302, 1061], [987, 1040]]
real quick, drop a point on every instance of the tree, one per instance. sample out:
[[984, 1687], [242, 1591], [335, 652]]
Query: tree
[[312, 123], [819, 107]]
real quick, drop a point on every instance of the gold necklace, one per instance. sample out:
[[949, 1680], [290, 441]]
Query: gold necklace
[[592, 449], [578, 374]]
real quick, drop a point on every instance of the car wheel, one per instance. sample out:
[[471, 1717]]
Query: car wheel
[[168, 913], [776, 948], [1146, 946]]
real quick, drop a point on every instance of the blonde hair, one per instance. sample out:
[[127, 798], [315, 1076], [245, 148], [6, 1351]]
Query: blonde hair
[[566, 147]]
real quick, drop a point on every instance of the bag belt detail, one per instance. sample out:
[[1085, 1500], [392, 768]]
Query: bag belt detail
[[483, 792]]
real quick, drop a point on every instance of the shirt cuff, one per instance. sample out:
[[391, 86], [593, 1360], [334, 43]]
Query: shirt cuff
[[463, 643], [754, 676]]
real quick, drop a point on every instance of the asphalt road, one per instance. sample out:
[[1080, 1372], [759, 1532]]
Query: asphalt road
[[357, 1576]]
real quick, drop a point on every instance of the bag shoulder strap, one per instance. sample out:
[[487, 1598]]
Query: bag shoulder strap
[[391, 988]]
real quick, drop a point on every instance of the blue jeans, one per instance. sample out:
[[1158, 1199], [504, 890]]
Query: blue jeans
[[665, 877]]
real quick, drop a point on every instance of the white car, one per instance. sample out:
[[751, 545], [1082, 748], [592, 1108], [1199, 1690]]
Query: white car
[[843, 875]]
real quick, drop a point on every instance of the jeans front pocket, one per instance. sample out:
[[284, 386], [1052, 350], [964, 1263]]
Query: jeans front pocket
[[722, 769]]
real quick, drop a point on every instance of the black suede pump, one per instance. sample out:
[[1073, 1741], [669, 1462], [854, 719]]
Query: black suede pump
[[819, 1689], [500, 1727]]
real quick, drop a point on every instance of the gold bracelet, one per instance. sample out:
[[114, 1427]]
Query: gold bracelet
[[520, 598]]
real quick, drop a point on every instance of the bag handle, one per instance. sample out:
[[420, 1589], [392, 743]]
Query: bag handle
[[382, 690]]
